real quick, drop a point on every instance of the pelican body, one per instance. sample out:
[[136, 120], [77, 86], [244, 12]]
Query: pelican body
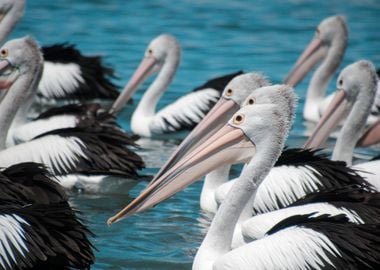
[[163, 56], [83, 156], [315, 241]]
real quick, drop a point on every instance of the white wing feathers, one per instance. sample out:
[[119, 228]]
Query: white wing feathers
[[60, 79], [55, 152], [283, 184], [185, 112], [294, 248], [257, 226], [32, 129], [12, 239]]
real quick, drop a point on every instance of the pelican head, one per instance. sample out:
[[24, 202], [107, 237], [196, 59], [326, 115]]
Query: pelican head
[[162, 52], [246, 133], [161, 49], [232, 97], [21, 65], [329, 34], [10, 12], [18, 57], [356, 83]]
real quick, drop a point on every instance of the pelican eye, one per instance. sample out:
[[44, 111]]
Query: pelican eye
[[340, 82], [150, 51], [3, 53], [251, 101], [229, 92], [238, 119]]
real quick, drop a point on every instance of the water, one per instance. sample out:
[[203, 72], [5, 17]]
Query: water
[[216, 37]]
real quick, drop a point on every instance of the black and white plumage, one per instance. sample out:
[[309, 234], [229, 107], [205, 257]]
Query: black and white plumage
[[39, 228], [95, 149], [70, 75], [43, 237], [355, 202], [186, 112], [163, 55], [74, 139], [304, 242], [297, 172], [62, 117], [298, 242], [301, 172], [91, 152]]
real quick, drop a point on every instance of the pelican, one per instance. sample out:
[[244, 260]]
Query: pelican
[[163, 56], [39, 228], [262, 128], [296, 173], [67, 75], [82, 157], [357, 86], [68, 116], [329, 45]]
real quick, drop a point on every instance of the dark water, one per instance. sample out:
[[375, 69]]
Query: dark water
[[216, 37]]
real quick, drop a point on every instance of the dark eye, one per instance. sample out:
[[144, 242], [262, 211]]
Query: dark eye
[[150, 51], [3, 53], [251, 101], [238, 119], [340, 82], [229, 92]]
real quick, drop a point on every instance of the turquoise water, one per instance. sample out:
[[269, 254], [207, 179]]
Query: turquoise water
[[217, 37]]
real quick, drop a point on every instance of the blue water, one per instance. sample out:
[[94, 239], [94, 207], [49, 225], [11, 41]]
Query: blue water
[[217, 37]]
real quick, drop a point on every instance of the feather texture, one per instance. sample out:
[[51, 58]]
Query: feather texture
[[358, 205], [70, 75], [298, 172], [38, 228], [87, 150], [302, 242], [185, 113]]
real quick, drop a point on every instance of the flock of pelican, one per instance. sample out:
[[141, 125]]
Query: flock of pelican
[[290, 208]]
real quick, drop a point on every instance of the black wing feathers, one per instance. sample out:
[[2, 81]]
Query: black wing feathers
[[30, 183], [52, 235]]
